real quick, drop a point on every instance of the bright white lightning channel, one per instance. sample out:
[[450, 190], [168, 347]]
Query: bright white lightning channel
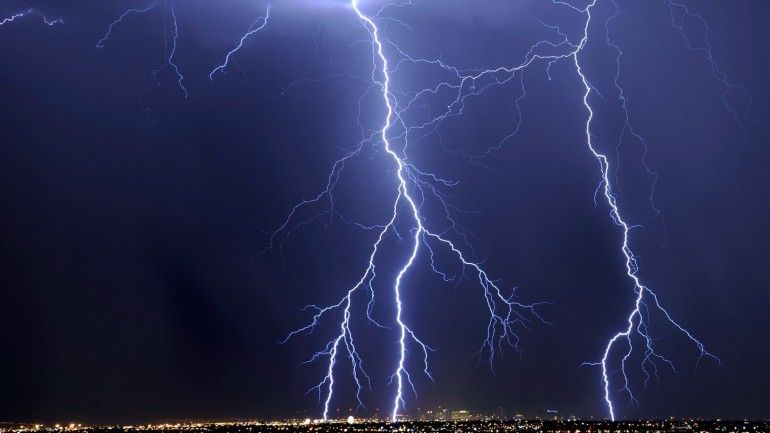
[[636, 320], [466, 85], [505, 312], [414, 185]]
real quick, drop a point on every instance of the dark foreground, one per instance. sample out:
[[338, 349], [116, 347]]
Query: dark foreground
[[487, 426]]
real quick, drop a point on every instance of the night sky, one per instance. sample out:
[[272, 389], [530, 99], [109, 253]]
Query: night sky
[[133, 219]]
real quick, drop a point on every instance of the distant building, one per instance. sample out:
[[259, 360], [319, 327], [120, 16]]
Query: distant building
[[460, 415]]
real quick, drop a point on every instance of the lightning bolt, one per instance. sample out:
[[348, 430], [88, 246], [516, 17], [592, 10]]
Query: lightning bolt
[[18, 15], [412, 181], [403, 193], [639, 314], [255, 27], [645, 298], [404, 122], [101, 43], [412, 185], [172, 36]]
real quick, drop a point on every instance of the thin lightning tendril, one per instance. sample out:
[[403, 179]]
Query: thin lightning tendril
[[173, 38], [255, 27], [18, 15], [170, 39], [680, 13], [628, 127], [101, 43]]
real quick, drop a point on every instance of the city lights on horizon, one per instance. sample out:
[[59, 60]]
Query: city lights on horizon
[[460, 421]]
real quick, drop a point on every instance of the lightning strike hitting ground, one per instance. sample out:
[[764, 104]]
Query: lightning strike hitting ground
[[638, 317], [505, 312], [466, 86], [413, 188]]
